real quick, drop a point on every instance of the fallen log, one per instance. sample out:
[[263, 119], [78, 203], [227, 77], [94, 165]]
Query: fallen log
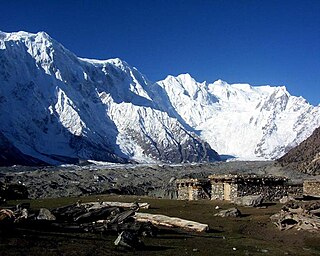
[[93, 205], [97, 214], [94, 211], [121, 217], [163, 220]]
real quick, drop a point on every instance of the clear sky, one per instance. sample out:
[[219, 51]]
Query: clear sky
[[257, 42]]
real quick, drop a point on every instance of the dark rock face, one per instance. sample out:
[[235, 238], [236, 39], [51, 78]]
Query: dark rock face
[[10, 155], [191, 150], [306, 156]]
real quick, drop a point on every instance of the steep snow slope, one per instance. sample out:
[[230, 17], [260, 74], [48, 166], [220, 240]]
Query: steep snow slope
[[239, 119], [57, 107]]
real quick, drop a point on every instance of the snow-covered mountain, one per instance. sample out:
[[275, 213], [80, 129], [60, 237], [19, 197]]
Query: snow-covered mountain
[[56, 107], [238, 119]]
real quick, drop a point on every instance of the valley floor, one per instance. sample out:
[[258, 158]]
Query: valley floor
[[155, 180], [252, 234]]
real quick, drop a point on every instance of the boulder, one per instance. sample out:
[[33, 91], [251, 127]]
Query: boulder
[[45, 214], [286, 199], [6, 216], [232, 212], [21, 214], [12, 192], [128, 239], [252, 200]]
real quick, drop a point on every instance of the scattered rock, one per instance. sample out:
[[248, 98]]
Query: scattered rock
[[128, 239], [299, 215], [304, 157], [12, 191], [21, 215], [286, 199], [172, 180], [252, 201], [45, 214], [217, 207], [147, 229], [232, 212], [6, 216], [147, 180]]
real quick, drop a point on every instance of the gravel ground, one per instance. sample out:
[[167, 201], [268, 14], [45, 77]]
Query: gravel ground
[[151, 180]]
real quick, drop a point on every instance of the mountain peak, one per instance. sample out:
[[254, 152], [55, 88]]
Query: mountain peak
[[220, 82], [106, 110], [23, 35], [185, 76]]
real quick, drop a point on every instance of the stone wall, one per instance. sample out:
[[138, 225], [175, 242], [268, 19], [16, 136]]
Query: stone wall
[[199, 193], [193, 189], [195, 192], [217, 191], [311, 188], [183, 193], [270, 189], [269, 192], [295, 190], [234, 190], [231, 187]]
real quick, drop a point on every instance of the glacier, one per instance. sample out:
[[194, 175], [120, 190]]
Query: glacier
[[244, 121], [58, 108]]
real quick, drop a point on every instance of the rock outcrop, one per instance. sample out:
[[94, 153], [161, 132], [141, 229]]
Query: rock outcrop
[[305, 157]]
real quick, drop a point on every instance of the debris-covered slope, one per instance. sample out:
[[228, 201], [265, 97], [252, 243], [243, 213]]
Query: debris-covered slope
[[306, 156]]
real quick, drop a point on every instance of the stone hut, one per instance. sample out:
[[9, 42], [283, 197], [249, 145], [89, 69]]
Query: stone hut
[[311, 188], [229, 187], [193, 189]]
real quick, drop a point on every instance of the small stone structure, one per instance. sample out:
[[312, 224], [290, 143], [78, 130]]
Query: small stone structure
[[311, 188], [193, 189], [229, 187]]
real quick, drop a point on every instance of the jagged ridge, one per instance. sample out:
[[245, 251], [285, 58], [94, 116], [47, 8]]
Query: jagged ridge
[[238, 119], [57, 108]]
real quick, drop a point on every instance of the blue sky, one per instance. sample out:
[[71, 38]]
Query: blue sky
[[258, 42]]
